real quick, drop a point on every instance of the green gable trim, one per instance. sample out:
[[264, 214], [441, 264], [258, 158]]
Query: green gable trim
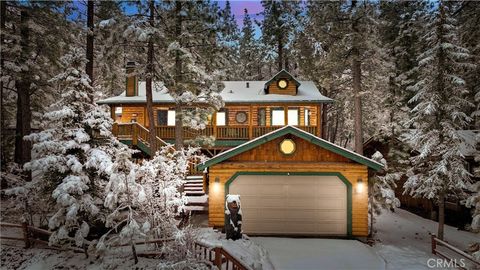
[[337, 174], [299, 133]]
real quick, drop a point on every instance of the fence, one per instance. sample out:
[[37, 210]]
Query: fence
[[468, 261], [217, 255]]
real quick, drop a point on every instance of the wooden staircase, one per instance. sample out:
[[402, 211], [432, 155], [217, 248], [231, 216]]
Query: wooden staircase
[[195, 193], [134, 134]]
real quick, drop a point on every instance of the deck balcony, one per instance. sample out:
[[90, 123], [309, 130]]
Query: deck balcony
[[135, 132]]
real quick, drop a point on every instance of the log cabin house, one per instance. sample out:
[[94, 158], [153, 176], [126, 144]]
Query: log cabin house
[[268, 150]]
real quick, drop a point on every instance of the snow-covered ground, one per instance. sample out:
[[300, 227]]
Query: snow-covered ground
[[404, 239], [315, 253]]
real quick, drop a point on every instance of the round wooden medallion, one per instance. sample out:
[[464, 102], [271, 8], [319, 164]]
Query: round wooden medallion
[[282, 84], [287, 147], [241, 117]]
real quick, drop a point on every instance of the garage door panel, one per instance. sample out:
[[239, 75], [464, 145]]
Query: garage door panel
[[330, 203], [292, 204]]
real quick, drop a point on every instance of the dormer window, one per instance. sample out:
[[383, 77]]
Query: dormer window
[[282, 84]]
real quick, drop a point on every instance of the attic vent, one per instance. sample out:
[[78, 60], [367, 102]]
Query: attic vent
[[248, 85]]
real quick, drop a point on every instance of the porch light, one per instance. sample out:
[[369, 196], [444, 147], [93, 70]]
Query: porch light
[[360, 186], [216, 185]]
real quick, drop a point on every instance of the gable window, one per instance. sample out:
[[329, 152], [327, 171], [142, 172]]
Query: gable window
[[222, 118], [166, 117], [278, 117], [262, 117], [293, 115]]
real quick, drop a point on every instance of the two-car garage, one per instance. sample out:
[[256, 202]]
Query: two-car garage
[[292, 204], [292, 183]]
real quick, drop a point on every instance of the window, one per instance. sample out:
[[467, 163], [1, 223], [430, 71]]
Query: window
[[171, 118], [221, 118], [162, 116], [278, 117], [262, 117], [293, 116], [307, 117], [166, 117]]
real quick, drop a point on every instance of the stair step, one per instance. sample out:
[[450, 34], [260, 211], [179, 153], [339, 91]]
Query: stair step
[[196, 208], [194, 181], [194, 177], [194, 193], [193, 185], [192, 188], [197, 204]]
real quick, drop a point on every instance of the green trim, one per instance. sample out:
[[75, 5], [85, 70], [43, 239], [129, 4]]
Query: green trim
[[143, 147], [299, 133], [339, 175], [127, 142]]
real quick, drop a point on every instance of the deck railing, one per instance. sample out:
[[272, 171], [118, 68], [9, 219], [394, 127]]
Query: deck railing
[[219, 132]]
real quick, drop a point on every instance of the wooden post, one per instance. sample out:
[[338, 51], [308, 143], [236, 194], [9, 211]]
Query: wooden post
[[218, 258], [25, 234], [115, 129], [214, 122], [250, 123], [112, 112], [434, 244], [285, 112], [204, 178], [319, 121], [134, 134]]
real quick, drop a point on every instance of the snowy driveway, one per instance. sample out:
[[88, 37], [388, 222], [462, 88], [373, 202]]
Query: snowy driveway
[[318, 254]]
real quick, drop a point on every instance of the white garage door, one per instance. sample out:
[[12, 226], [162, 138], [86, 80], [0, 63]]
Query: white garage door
[[281, 204]]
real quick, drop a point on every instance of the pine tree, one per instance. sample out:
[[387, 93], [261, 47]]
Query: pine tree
[[381, 191], [440, 106], [280, 22], [124, 197], [249, 64], [73, 153], [228, 41]]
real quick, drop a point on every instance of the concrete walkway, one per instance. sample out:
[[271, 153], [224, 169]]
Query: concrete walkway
[[318, 254]]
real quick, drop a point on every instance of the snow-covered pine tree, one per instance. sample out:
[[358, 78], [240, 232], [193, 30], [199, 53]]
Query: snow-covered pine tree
[[249, 63], [161, 177], [123, 199], [228, 40], [72, 155], [439, 112], [193, 64], [382, 190], [278, 26]]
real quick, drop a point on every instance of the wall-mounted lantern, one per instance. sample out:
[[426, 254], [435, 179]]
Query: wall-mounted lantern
[[360, 185], [216, 185]]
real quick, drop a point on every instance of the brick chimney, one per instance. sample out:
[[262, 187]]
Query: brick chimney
[[132, 81]]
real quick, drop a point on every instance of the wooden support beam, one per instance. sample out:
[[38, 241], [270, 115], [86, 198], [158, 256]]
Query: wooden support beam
[[250, 123], [285, 112], [319, 121]]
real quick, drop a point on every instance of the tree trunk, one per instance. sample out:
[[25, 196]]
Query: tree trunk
[[441, 214], [134, 252], [3, 13], [152, 140], [90, 37], [280, 53], [24, 113], [178, 77], [357, 83]]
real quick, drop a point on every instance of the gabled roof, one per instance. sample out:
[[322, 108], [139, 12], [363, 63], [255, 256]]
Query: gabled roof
[[234, 92], [282, 74], [296, 132]]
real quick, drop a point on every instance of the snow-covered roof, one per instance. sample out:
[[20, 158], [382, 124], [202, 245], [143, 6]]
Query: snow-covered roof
[[299, 133], [234, 92]]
